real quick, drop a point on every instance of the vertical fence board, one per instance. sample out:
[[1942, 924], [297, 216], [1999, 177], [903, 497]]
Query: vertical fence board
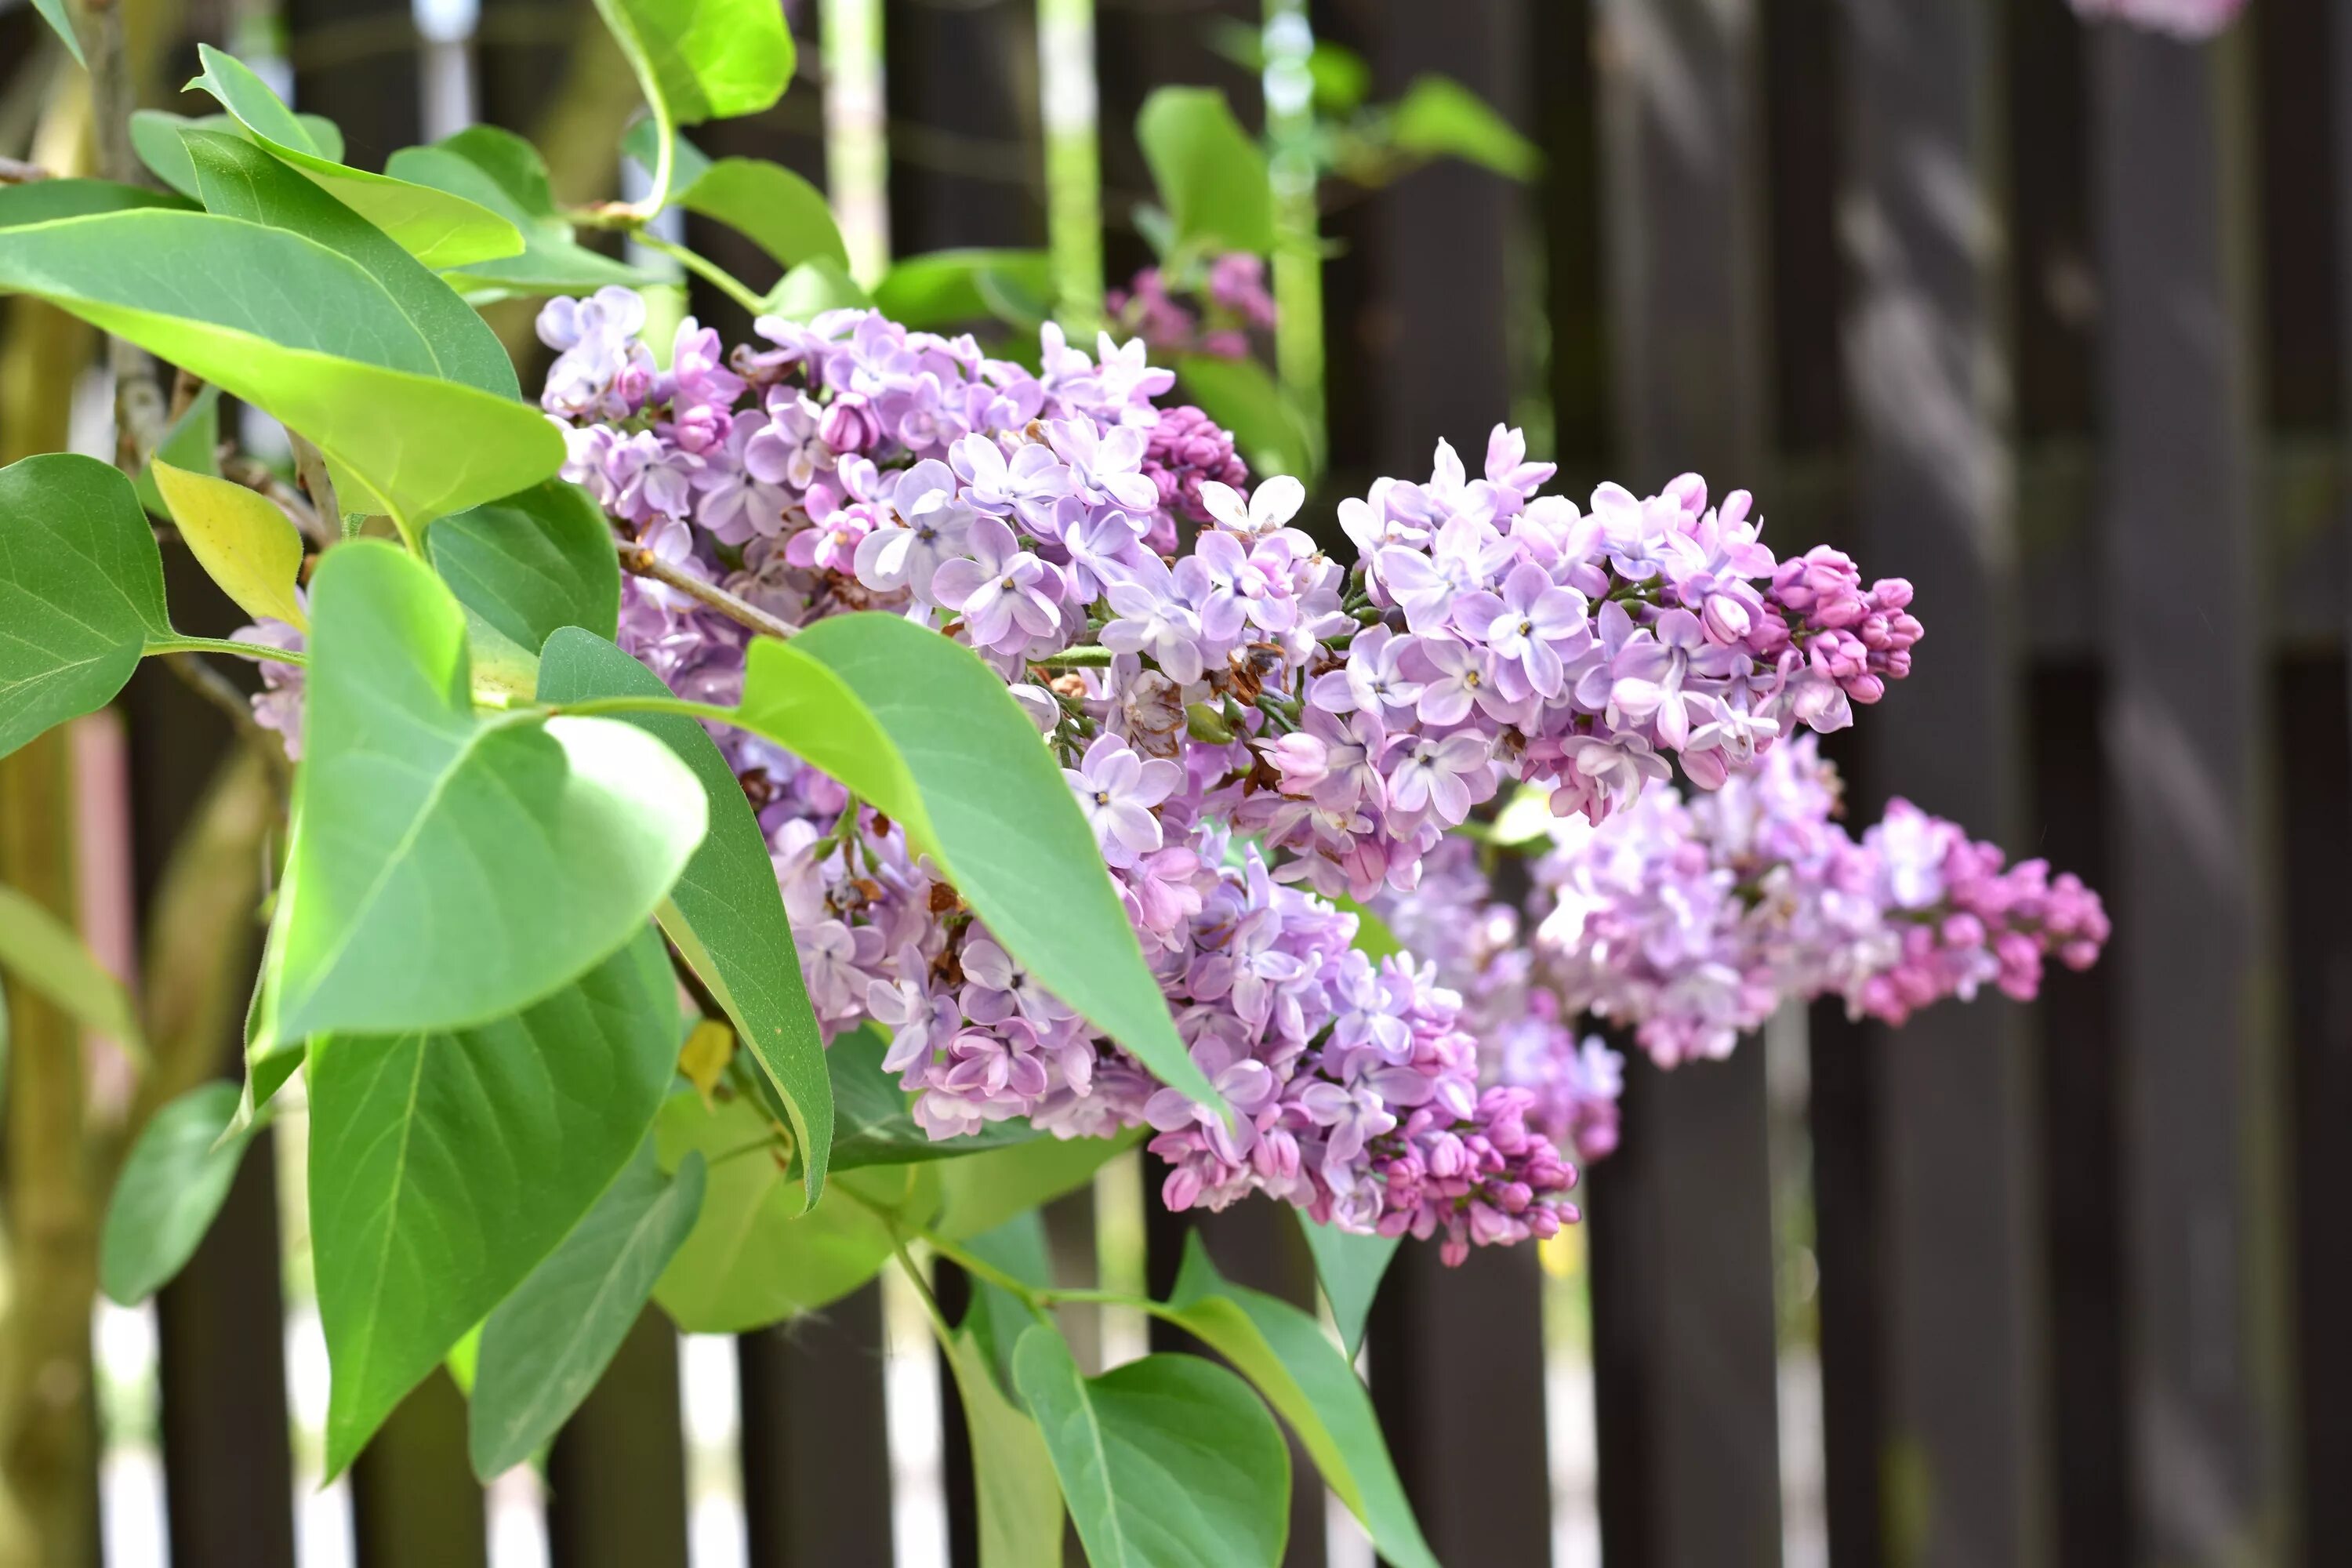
[[414, 1499], [1935, 503], [1682, 1309], [816, 1448], [966, 168], [616, 1475], [2186, 734], [1423, 340]]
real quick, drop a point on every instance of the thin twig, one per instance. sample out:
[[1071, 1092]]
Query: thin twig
[[16, 172], [312, 469], [640, 561]]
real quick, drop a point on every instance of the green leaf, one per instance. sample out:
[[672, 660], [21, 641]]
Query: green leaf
[[812, 289], [942, 288], [1167, 1462], [81, 591], [1212, 176], [1350, 1267], [1239, 394], [1302, 1374], [727, 912], [448, 870], [545, 1346], [60, 22], [755, 1257], [917, 727], [777, 209], [985, 1190], [437, 228], [498, 170], [445, 1166], [704, 59], [174, 1182], [49, 959], [323, 348], [236, 179], [1020, 1499], [1440, 118], [155, 137], [532, 564], [45, 201], [241, 539], [192, 444]]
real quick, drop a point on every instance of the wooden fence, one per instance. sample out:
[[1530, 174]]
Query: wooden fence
[[2051, 318]]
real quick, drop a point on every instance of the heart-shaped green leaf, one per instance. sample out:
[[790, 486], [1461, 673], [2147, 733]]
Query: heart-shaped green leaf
[[172, 1186], [449, 870], [917, 727], [704, 59], [543, 1349], [236, 179], [1167, 1462], [532, 564], [757, 1255], [437, 228], [81, 591], [155, 137], [1212, 175], [322, 347], [1350, 1267], [781, 212], [726, 913], [1285, 1353], [445, 1166], [500, 171]]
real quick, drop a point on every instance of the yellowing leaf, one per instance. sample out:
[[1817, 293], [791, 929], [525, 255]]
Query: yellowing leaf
[[707, 1053], [240, 539]]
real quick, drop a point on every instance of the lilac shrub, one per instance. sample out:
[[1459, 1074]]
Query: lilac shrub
[[1255, 731]]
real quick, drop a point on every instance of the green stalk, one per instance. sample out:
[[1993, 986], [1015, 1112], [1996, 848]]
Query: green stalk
[[857, 143], [1289, 88], [1066, 83]]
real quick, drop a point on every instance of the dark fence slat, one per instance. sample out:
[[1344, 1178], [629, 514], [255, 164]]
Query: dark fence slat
[[413, 1498], [966, 156], [1959, 1260], [2187, 731], [1682, 1227], [616, 1475], [816, 1448]]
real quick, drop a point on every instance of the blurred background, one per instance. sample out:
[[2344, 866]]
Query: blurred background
[[2049, 316]]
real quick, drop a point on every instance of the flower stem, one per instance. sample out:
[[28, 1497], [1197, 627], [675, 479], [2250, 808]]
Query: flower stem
[[641, 561], [260, 653], [727, 282]]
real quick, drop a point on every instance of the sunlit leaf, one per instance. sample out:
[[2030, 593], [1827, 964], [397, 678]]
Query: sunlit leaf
[[917, 727], [543, 1349], [500, 171], [1167, 1462], [155, 137], [241, 539], [81, 591], [437, 228], [444, 1166], [704, 59], [449, 868]]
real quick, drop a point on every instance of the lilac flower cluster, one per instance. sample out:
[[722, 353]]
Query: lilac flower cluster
[[1251, 726], [1214, 315], [1691, 921]]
